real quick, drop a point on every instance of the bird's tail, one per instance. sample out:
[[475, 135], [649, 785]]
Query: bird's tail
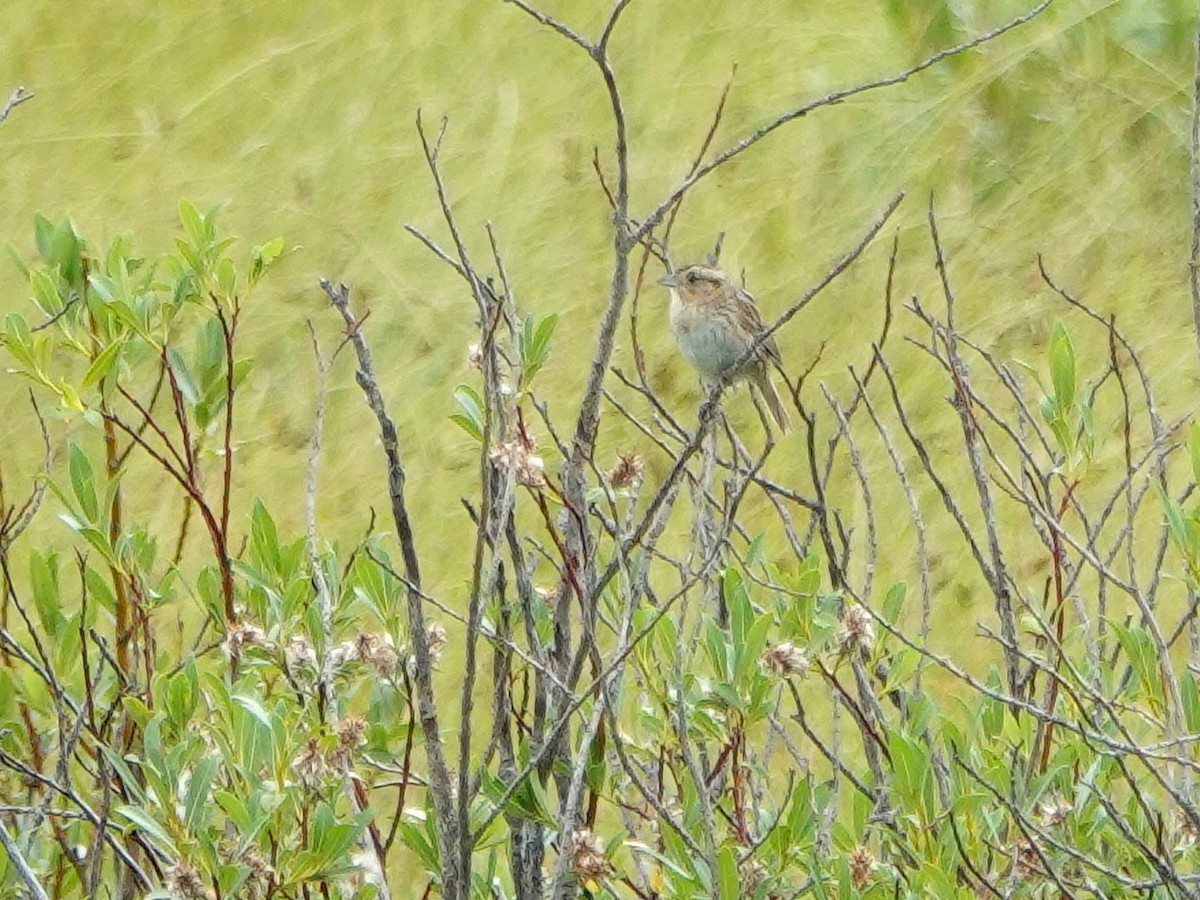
[[778, 413]]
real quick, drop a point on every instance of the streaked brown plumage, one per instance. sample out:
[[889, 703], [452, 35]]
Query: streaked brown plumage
[[715, 321]]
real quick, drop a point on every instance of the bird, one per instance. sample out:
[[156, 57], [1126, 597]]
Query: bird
[[715, 321]]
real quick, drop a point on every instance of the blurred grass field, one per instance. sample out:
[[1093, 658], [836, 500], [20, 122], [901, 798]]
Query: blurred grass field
[[1067, 137]]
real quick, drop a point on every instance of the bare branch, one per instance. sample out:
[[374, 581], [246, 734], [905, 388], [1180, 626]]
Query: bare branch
[[18, 859], [657, 214], [439, 776], [558, 26], [15, 99], [602, 44]]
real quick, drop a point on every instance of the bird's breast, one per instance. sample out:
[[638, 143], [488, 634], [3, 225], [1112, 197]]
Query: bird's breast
[[705, 339]]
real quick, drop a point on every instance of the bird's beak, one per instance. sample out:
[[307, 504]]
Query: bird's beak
[[669, 281]]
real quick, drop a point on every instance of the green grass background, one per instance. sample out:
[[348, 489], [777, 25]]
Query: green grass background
[[1067, 137]]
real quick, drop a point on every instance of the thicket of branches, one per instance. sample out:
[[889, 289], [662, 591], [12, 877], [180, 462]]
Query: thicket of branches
[[760, 715]]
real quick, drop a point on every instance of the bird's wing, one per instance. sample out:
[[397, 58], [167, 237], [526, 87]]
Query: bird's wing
[[751, 320]]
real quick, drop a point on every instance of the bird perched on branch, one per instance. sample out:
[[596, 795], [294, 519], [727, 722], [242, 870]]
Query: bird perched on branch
[[715, 322]]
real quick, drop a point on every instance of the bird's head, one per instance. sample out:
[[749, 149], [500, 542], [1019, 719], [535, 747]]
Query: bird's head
[[698, 283]]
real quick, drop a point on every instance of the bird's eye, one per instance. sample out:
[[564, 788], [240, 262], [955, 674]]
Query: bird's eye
[[692, 277]]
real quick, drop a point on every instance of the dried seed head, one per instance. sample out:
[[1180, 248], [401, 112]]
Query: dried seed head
[[369, 872], [858, 630], [527, 467], [475, 356], [242, 635], [352, 732], [531, 471], [310, 766], [1054, 812], [299, 655], [1185, 827], [345, 652], [377, 652], [435, 636], [786, 659], [586, 855], [503, 455], [862, 866], [435, 640], [182, 783], [258, 881], [184, 882], [628, 471], [753, 875], [1028, 862]]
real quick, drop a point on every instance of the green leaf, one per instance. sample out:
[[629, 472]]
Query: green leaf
[[145, 823], [910, 768], [226, 276], [414, 839], [993, 710], [66, 252], [8, 693], [903, 664], [718, 649], [262, 258], [103, 363], [138, 711], [727, 871], [183, 695], [741, 614], [1176, 524], [235, 809], [1194, 450], [196, 808], [43, 575], [752, 650], [83, 483], [193, 224], [1138, 647], [241, 370], [1062, 367], [535, 346], [936, 883], [1191, 703], [183, 376], [255, 708], [105, 287], [671, 867], [471, 418], [70, 398], [119, 764], [47, 293], [893, 603], [16, 340], [94, 536], [754, 553], [527, 801], [271, 251], [43, 234], [544, 332], [265, 538]]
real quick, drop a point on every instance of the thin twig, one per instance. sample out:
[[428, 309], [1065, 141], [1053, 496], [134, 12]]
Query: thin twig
[[656, 215], [15, 99]]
